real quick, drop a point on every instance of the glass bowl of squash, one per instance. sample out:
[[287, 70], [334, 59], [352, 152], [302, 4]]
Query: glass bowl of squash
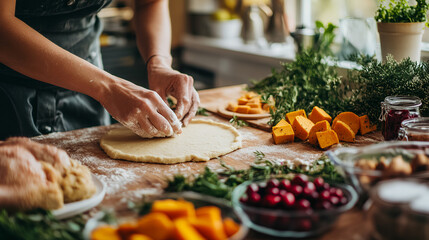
[[172, 216]]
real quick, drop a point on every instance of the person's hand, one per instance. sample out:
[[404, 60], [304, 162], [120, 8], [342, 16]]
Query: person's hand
[[141, 110], [168, 82]]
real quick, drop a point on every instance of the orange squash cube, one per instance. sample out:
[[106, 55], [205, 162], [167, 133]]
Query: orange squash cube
[[174, 208], [105, 233], [290, 117], [350, 119], [281, 123], [318, 127], [242, 101], [283, 134], [255, 111], [156, 225], [230, 227], [231, 107], [255, 100], [327, 138], [125, 230], [345, 132], [302, 127], [318, 114], [209, 223], [250, 95], [254, 105], [365, 125], [138, 237], [243, 109], [183, 230]]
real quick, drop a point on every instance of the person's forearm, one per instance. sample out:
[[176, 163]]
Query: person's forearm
[[153, 30], [28, 52]]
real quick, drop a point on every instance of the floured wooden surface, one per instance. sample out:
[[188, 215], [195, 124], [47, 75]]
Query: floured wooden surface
[[128, 181]]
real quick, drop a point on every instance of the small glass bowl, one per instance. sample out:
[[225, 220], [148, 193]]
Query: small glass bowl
[[364, 179], [284, 223], [199, 200]]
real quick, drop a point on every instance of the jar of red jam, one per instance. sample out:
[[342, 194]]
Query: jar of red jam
[[416, 129], [396, 109]]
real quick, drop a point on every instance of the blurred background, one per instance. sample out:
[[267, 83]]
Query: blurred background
[[227, 42]]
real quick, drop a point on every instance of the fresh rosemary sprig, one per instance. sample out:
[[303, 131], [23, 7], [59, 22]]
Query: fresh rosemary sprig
[[39, 224], [222, 183], [202, 111], [237, 122]]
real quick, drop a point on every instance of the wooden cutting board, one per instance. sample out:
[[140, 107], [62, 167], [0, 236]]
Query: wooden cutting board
[[212, 99]]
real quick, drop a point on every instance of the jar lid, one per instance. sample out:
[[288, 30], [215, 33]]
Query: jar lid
[[403, 101]]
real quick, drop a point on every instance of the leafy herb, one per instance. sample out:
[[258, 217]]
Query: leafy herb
[[237, 122], [399, 11], [202, 111], [376, 80], [222, 183], [324, 38], [39, 224], [302, 84]]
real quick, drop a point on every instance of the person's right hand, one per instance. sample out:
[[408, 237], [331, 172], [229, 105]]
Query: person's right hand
[[141, 110]]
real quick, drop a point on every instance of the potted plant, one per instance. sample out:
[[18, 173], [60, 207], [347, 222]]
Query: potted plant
[[401, 28]]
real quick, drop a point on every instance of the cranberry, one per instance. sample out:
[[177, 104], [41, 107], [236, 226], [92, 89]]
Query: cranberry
[[243, 199], [310, 185], [318, 182], [252, 188], [303, 225], [285, 184], [296, 190], [325, 205], [303, 204], [282, 192], [254, 198], [300, 179], [343, 201], [288, 200], [336, 192], [271, 201], [334, 200], [325, 186], [324, 195], [273, 183], [272, 191], [312, 197]]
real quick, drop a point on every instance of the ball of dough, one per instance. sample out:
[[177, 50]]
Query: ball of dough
[[76, 183]]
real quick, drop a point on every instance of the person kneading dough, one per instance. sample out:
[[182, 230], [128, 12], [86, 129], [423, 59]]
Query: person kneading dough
[[34, 175]]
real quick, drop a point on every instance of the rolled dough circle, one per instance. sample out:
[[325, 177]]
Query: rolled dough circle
[[201, 140]]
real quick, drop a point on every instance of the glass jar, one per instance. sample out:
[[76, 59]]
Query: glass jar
[[396, 109], [416, 129]]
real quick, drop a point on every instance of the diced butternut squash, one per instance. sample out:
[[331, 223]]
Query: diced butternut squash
[[138, 237], [365, 125], [267, 107], [345, 132], [290, 117], [231, 107], [156, 226], [105, 233], [254, 105], [255, 100], [281, 123], [243, 109], [318, 127], [209, 223], [301, 127], [183, 230], [327, 138], [230, 227], [255, 111], [125, 230], [350, 119], [242, 101], [250, 95], [283, 134], [318, 114], [174, 208]]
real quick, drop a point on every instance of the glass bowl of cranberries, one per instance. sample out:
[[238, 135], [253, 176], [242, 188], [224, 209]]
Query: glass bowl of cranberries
[[297, 207]]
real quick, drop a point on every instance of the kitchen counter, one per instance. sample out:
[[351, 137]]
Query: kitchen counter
[[129, 181]]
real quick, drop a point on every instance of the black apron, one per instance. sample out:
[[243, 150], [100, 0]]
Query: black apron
[[29, 107]]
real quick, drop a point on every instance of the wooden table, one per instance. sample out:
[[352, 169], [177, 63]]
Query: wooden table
[[129, 181]]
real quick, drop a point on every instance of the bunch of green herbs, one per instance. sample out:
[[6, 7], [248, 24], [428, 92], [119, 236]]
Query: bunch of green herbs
[[376, 80], [238, 123], [221, 183], [39, 224], [399, 11]]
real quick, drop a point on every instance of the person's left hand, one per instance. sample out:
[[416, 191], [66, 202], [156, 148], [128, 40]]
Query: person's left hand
[[168, 82]]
